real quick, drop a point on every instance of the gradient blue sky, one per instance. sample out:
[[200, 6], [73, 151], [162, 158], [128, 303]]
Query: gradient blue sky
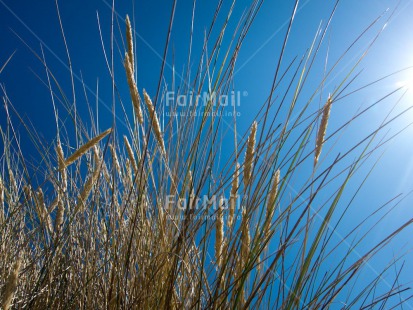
[[35, 23]]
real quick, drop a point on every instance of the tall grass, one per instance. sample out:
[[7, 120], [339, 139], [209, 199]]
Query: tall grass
[[176, 214]]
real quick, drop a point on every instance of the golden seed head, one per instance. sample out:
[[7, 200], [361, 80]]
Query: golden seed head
[[271, 199], [273, 192], [219, 236], [61, 164], [91, 181], [129, 41], [249, 154], [85, 147], [115, 159], [245, 238], [155, 122], [59, 214], [1, 192], [11, 285], [322, 130], [233, 195], [130, 154], [133, 89]]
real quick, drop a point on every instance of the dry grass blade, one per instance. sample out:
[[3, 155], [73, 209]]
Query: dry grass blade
[[7, 61]]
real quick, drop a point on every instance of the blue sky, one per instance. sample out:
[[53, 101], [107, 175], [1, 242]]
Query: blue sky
[[34, 24]]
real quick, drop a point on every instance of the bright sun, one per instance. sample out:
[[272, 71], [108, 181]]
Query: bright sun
[[407, 87], [407, 84]]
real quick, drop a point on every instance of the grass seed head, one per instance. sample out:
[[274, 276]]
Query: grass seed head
[[219, 236], [233, 195], [115, 160], [249, 154], [1, 193], [322, 130], [271, 199], [87, 188], [85, 147], [61, 165], [133, 89], [155, 122], [11, 285], [129, 41], [131, 155], [60, 214]]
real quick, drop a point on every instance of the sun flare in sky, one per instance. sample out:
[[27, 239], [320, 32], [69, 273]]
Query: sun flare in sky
[[406, 84]]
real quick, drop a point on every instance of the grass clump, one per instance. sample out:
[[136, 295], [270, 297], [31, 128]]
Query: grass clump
[[172, 216]]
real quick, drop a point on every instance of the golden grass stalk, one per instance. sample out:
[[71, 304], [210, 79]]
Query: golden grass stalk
[[322, 130], [129, 41], [42, 210], [11, 285], [155, 122], [233, 195], [61, 165], [106, 175], [128, 174], [98, 155], [85, 147], [27, 189], [1, 193], [115, 159], [249, 154], [272, 197], [130, 154], [259, 264], [60, 214], [219, 236], [245, 250], [13, 182], [245, 237], [190, 189], [91, 181], [54, 203], [189, 181], [133, 89], [2, 216]]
